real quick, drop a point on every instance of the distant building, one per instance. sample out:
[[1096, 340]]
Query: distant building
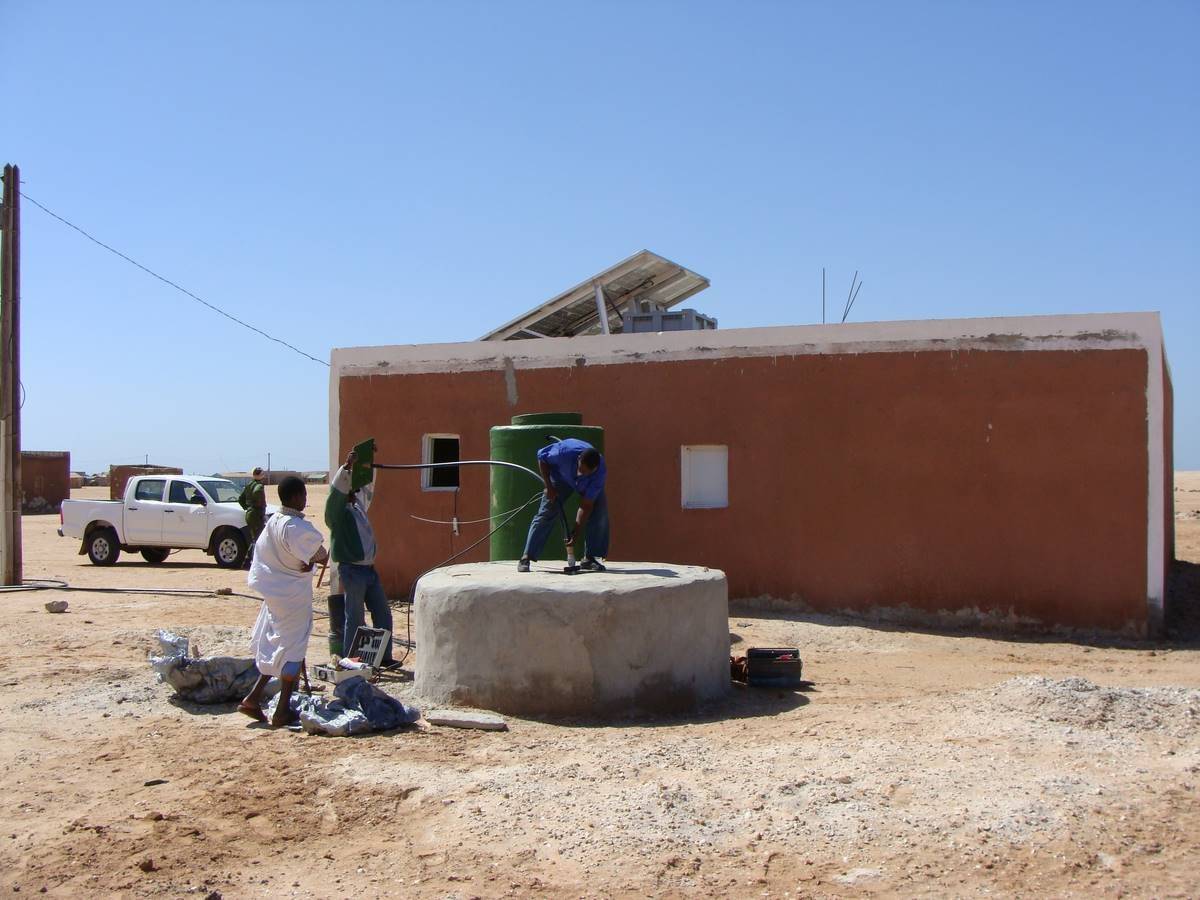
[[118, 476], [241, 479], [45, 480]]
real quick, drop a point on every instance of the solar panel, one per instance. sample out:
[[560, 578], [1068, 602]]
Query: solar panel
[[644, 278]]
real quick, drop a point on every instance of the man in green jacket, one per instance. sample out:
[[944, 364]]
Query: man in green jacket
[[253, 500], [353, 547]]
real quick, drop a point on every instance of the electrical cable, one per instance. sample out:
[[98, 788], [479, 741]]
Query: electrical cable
[[168, 281], [467, 521]]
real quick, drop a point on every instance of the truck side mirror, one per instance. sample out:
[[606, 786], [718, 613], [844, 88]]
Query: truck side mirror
[[198, 498]]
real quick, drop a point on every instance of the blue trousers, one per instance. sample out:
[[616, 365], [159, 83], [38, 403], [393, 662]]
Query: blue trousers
[[549, 515], [362, 588]]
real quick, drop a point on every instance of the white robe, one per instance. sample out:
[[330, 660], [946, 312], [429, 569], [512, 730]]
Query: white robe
[[285, 620]]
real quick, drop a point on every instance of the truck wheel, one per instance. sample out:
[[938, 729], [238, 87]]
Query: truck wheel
[[103, 548], [229, 549], [155, 555]]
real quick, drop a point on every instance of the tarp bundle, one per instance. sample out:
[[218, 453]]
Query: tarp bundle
[[210, 679], [357, 707]]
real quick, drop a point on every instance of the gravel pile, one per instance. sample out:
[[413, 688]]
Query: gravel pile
[[1080, 703]]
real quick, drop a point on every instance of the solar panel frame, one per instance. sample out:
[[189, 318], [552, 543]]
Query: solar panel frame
[[642, 276]]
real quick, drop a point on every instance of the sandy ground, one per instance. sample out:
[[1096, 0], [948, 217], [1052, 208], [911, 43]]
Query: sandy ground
[[1187, 516], [918, 763]]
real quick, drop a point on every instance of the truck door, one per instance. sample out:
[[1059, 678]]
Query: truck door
[[185, 518], [144, 512]]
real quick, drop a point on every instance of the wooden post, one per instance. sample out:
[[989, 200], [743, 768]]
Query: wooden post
[[11, 569]]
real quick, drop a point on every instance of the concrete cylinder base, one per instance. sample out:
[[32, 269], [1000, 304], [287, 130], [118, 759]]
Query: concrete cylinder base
[[642, 638]]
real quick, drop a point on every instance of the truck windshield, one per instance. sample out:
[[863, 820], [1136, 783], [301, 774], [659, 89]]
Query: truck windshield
[[220, 491]]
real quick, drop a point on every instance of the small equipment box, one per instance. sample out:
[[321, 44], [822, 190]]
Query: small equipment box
[[774, 667], [369, 645], [365, 656], [335, 675]]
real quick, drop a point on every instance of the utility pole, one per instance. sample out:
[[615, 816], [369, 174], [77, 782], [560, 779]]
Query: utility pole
[[11, 569]]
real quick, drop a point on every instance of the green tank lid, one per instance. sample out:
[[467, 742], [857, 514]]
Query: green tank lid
[[559, 418]]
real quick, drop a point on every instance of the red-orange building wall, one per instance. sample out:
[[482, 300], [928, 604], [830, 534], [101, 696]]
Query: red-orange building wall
[[1003, 482]]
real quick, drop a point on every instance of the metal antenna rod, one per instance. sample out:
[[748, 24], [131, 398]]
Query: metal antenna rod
[[852, 299], [850, 296]]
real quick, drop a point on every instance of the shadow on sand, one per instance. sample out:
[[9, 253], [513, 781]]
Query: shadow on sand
[[204, 709], [742, 702], [1181, 627]]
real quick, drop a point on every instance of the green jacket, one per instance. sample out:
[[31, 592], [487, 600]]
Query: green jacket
[[253, 499], [351, 538]]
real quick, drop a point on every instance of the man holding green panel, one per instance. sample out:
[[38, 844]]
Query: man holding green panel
[[353, 548]]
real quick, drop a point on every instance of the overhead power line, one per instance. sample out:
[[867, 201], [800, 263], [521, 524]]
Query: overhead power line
[[168, 281]]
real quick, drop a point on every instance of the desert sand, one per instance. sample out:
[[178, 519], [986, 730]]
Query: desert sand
[[919, 762]]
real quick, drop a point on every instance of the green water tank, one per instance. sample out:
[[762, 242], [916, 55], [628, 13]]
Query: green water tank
[[519, 443]]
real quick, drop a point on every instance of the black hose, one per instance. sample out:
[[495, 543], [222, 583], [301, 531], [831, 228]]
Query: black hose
[[35, 584], [54, 584]]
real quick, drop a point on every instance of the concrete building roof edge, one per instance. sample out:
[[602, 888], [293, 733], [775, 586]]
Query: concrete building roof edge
[[1100, 331]]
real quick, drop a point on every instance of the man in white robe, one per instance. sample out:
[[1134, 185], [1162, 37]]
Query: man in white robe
[[284, 556]]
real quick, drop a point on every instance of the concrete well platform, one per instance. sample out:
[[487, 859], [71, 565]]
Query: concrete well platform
[[641, 638]]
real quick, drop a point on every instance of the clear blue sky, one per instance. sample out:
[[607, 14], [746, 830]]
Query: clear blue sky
[[376, 173]]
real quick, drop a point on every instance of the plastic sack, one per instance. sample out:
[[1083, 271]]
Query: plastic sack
[[205, 680], [356, 707], [172, 648]]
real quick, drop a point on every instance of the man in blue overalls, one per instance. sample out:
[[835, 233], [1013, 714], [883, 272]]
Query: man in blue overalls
[[567, 467]]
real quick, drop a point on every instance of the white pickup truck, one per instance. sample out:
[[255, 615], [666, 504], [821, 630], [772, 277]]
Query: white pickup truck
[[161, 513]]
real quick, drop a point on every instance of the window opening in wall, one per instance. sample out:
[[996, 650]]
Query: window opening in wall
[[440, 448], [705, 475]]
